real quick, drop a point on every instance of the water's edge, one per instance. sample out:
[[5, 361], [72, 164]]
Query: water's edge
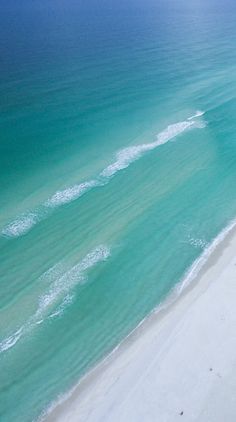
[[190, 279]]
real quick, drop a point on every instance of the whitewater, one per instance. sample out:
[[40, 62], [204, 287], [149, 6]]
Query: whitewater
[[25, 222]]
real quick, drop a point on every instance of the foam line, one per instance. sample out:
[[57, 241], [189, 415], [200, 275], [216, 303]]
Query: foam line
[[196, 267], [198, 113], [123, 158], [20, 225], [59, 295], [62, 285], [70, 194], [11, 340], [128, 155]]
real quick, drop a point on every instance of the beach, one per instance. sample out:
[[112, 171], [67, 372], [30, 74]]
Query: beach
[[179, 363]]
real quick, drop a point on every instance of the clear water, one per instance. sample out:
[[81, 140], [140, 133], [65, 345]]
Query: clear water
[[111, 183]]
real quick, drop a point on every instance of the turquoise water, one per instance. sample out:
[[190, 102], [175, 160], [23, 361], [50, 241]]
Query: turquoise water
[[118, 167]]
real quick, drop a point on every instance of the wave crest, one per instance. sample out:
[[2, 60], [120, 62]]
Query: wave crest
[[70, 194], [128, 155], [21, 225], [123, 159], [60, 294]]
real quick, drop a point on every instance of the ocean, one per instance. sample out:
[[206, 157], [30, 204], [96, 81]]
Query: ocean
[[117, 171]]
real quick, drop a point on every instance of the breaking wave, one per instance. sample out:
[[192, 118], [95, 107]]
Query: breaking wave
[[123, 159], [196, 267], [70, 194], [62, 285], [59, 295], [128, 155], [198, 113], [21, 225]]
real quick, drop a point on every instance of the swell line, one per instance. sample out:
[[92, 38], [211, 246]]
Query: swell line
[[123, 158], [59, 294]]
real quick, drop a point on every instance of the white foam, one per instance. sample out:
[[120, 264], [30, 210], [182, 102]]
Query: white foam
[[128, 155], [70, 194], [11, 340], [192, 272], [198, 243], [59, 294], [123, 159], [198, 113], [59, 311], [27, 221], [177, 129], [21, 225], [196, 267], [53, 273], [61, 286]]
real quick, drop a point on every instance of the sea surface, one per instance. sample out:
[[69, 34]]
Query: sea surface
[[117, 170]]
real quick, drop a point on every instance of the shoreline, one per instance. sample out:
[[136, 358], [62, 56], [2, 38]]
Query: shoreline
[[99, 394]]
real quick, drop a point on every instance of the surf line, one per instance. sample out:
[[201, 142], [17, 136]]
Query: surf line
[[123, 158], [60, 294]]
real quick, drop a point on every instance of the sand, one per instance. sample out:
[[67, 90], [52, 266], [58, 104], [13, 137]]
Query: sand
[[180, 364]]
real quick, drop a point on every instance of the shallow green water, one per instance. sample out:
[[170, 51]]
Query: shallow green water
[[112, 183]]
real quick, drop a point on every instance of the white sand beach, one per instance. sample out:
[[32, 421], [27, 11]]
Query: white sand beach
[[180, 364]]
